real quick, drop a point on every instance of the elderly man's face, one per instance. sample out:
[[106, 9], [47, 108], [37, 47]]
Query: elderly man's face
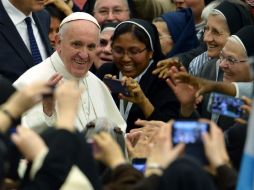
[[28, 6], [77, 46], [233, 62], [111, 11]]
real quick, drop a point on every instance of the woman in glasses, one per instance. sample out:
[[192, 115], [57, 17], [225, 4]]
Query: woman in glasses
[[136, 51]]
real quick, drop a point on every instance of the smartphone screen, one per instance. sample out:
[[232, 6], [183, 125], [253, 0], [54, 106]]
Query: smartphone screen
[[190, 133], [139, 164], [225, 105], [116, 86]]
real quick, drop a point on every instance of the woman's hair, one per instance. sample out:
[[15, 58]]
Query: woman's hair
[[55, 12], [135, 31], [104, 124]]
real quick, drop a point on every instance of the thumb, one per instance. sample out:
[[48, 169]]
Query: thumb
[[129, 145], [178, 150], [16, 139], [200, 92]]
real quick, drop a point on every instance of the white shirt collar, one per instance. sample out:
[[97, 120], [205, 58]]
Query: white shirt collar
[[15, 14]]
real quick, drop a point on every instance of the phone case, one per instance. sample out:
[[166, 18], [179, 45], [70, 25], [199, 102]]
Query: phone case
[[116, 86]]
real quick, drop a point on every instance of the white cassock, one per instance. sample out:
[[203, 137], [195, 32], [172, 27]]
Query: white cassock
[[96, 100]]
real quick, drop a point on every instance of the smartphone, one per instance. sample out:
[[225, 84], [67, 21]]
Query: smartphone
[[225, 105], [190, 133], [139, 164], [116, 86]]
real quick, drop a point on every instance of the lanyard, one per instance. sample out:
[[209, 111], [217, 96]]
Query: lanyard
[[125, 113]]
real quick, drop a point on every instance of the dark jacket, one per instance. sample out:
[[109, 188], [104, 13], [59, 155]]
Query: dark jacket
[[15, 58]]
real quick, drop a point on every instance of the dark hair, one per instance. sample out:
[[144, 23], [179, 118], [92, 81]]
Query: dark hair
[[55, 12], [135, 31]]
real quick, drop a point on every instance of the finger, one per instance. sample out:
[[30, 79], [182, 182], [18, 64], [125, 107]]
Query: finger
[[171, 84], [246, 108], [241, 121], [129, 145], [178, 150], [16, 139], [205, 139], [162, 63], [140, 122], [246, 100]]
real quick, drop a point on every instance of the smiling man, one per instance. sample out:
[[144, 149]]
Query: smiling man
[[76, 43]]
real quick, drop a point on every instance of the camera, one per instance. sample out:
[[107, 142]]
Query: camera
[[225, 105], [190, 133]]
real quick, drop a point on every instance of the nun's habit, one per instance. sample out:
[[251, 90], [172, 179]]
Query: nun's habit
[[182, 29]]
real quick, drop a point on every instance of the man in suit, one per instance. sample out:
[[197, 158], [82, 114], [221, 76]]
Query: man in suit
[[15, 55]]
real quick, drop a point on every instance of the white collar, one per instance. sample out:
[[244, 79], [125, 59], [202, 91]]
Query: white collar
[[15, 14]]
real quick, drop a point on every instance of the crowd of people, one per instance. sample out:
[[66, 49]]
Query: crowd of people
[[118, 94]]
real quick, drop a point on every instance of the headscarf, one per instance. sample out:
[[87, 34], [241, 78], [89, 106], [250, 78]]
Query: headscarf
[[237, 16], [181, 25], [245, 37], [152, 35]]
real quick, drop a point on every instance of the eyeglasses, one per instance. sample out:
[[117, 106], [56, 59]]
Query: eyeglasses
[[119, 52], [116, 11], [230, 60]]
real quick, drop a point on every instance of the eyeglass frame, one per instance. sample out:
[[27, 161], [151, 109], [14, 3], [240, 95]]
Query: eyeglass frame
[[114, 11], [230, 61], [129, 53]]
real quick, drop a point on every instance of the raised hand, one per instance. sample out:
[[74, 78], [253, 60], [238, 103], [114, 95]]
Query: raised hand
[[162, 152], [214, 144], [107, 150], [28, 142], [137, 96], [48, 102], [67, 97], [164, 65]]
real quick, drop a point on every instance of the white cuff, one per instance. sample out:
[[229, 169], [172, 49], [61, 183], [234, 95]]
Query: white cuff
[[38, 162]]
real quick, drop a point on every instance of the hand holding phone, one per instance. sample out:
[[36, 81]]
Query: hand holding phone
[[190, 133], [116, 86], [225, 105]]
